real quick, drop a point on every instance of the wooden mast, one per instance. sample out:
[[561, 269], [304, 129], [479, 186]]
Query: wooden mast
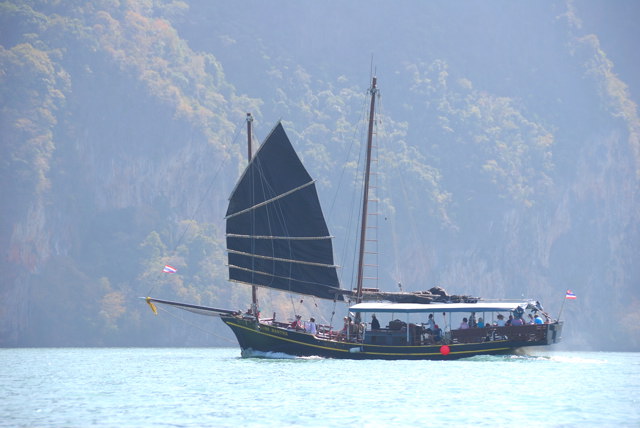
[[254, 289], [365, 197], [249, 122]]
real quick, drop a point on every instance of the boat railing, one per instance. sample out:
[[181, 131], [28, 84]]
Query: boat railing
[[418, 335], [521, 333], [324, 331], [353, 335]]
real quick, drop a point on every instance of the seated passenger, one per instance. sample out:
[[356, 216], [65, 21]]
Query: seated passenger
[[500, 322], [342, 334], [517, 321], [464, 325], [353, 327], [537, 319], [437, 333], [480, 323], [431, 324], [297, 324]]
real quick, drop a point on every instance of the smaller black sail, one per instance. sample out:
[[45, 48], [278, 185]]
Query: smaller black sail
[[277, 236]]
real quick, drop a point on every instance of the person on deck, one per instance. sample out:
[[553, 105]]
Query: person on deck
[[472, 320], [437, 333], [431, 324], [537, 319], [297, 324], [480, 322], [342, 334], [517, 321], [464, 324], [500, 322], [311, 327], [375, 324]]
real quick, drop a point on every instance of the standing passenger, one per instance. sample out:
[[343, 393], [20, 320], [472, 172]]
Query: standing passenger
[[375, 324], [472, 320], [311, 327]]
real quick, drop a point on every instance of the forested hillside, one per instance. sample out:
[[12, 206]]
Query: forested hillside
[[508, 144]]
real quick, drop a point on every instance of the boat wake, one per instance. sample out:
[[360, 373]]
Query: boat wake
[[516, 357], [250, 353], [523, 358], [575, 359]]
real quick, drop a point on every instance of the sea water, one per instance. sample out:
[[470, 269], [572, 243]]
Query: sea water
[[215, 387]]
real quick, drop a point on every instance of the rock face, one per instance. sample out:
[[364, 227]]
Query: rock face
[[506, 175]]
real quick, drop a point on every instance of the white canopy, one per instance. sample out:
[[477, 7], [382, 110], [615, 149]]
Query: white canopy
[[438, 307]]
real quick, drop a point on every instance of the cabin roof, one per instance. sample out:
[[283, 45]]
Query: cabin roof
[[437, 307]]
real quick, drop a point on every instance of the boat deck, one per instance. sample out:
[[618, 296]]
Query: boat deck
[[418, 335]]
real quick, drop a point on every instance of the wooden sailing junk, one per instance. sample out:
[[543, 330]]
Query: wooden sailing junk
[[277, 238]]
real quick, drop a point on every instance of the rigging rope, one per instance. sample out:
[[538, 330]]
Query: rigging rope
[[172, 253], [386, 178], [206, 193], [170, 313], [360, 129]]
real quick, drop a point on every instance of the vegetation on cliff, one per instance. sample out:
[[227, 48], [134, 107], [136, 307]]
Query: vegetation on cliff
[[509, 152]]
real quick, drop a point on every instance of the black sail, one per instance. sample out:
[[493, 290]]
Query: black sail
[[276, 233]]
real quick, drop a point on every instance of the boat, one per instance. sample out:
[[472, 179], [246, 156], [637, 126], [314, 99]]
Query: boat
[[277, 238]]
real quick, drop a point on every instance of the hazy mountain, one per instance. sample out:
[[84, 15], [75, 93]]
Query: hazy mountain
[[508, 145]]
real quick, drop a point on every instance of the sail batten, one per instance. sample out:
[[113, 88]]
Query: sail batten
[[277, 259], [292, 238], [268, 274], [271, 200], [276, 233]]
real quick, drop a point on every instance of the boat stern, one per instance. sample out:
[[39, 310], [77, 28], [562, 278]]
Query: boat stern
[[554, 335]]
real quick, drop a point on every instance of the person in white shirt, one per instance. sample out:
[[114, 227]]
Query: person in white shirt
[[431, 324], [311, 327], [464, 325]]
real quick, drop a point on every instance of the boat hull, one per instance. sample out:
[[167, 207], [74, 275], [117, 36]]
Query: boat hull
[[261, 337]]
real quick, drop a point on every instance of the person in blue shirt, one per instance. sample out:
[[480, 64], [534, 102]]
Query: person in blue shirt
[[480, 323]]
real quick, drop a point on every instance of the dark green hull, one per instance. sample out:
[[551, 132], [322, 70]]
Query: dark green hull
[[261, 337]]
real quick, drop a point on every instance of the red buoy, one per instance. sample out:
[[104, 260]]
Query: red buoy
[[444, 350]]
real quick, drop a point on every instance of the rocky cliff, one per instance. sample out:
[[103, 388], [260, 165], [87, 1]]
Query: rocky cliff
[[509, 153]]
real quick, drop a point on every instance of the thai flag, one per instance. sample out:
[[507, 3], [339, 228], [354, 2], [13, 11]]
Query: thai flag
[[169, 269], [570, 295]]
